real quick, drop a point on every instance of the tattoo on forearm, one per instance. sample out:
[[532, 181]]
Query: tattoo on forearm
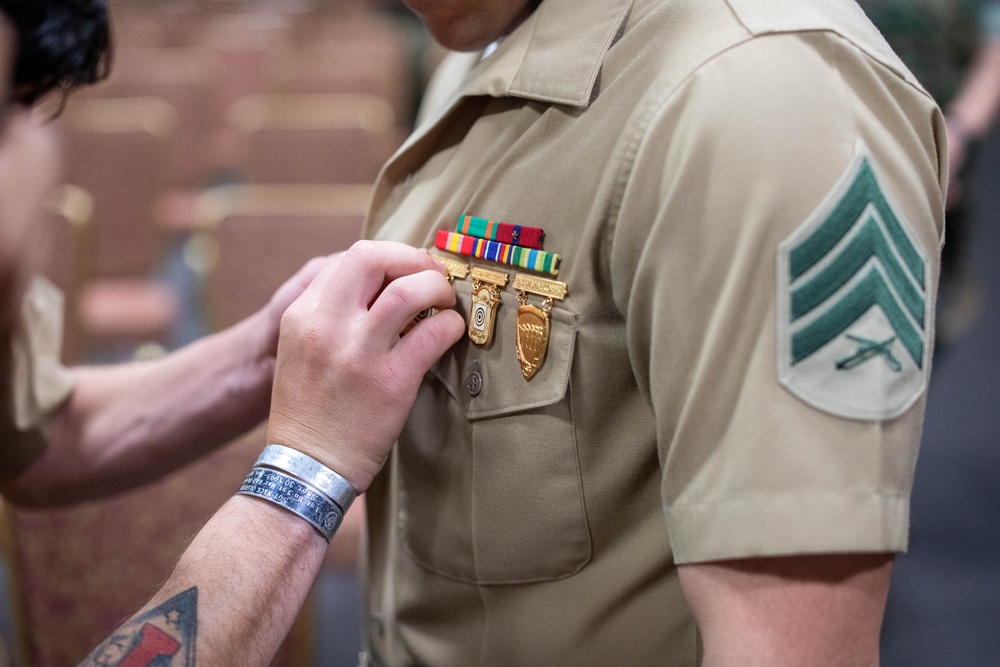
[[162, 637]]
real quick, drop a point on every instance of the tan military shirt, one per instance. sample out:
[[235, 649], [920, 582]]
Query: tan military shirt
[[747, 199], [39, 383]]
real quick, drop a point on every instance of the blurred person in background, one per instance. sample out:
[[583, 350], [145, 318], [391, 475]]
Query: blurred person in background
[[953, 48]]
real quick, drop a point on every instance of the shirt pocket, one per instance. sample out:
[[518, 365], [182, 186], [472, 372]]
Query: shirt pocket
[[487, 468]]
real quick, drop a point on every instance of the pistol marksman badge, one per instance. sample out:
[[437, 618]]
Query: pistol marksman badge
[[533, 322], [485, 300]]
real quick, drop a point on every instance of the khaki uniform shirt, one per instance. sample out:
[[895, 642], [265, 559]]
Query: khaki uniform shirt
[[747, 198], [39, 382]]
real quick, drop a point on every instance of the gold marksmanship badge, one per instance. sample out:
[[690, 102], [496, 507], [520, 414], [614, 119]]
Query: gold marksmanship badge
[[455, 268], [533, 322], [485, 301]]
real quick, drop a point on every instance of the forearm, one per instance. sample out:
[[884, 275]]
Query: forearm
[[797, 610], [245, 576], [232, 597], [127, 425]]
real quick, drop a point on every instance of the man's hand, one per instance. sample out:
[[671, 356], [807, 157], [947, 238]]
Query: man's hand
[[289, 291], [345, 379]]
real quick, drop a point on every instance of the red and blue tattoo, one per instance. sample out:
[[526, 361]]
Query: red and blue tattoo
[[162, 637]]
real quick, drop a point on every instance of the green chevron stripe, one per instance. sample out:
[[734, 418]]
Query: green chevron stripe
[[864, 190], [869, 242], [871, 291]]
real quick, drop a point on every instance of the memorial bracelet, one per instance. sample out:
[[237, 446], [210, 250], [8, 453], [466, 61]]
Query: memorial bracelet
[[296, 496], [309, 470]]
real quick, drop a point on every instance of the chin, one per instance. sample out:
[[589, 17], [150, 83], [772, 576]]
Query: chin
[[461, 38]]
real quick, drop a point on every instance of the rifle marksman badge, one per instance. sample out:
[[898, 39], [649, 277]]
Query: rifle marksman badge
[[533, 321], [485, 300]]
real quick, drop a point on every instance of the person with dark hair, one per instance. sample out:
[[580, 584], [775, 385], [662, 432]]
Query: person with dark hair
[[62, 44], [74, 434], [343, 376]]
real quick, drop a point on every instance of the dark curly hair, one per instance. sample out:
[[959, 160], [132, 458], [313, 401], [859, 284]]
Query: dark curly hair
[[62, 44]]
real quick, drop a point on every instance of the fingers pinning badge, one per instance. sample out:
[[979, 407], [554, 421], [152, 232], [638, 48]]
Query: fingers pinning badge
[[421, 316], [455, 269]]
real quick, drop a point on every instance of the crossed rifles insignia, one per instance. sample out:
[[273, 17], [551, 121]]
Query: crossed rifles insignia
[[869, 349]]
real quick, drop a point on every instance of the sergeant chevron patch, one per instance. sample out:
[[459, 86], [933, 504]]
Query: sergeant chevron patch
[[852, 303]]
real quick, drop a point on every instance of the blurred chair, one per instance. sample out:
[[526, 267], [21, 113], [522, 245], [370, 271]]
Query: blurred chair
[[153, 23], [137, 28], [185, 78], [103, 309], [263, 234], [77, 573], [229, 7], [314, 138], [116, 150], [358, 55], [240, 41]]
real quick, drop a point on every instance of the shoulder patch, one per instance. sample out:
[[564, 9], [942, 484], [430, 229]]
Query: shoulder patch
[[853, 311]]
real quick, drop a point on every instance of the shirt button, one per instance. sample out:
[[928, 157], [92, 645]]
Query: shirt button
[[474, 381]]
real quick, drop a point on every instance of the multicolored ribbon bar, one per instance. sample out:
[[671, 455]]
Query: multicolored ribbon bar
[[504, 253], [528, 237]]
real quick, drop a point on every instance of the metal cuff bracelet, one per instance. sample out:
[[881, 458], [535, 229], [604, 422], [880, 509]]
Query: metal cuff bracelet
[[296, 496], [310, 471]]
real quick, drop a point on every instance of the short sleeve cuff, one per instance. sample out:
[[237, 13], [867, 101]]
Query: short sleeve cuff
[[788, 525]]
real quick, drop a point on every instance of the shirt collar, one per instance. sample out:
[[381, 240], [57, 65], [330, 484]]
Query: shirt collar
[[554, 56]]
